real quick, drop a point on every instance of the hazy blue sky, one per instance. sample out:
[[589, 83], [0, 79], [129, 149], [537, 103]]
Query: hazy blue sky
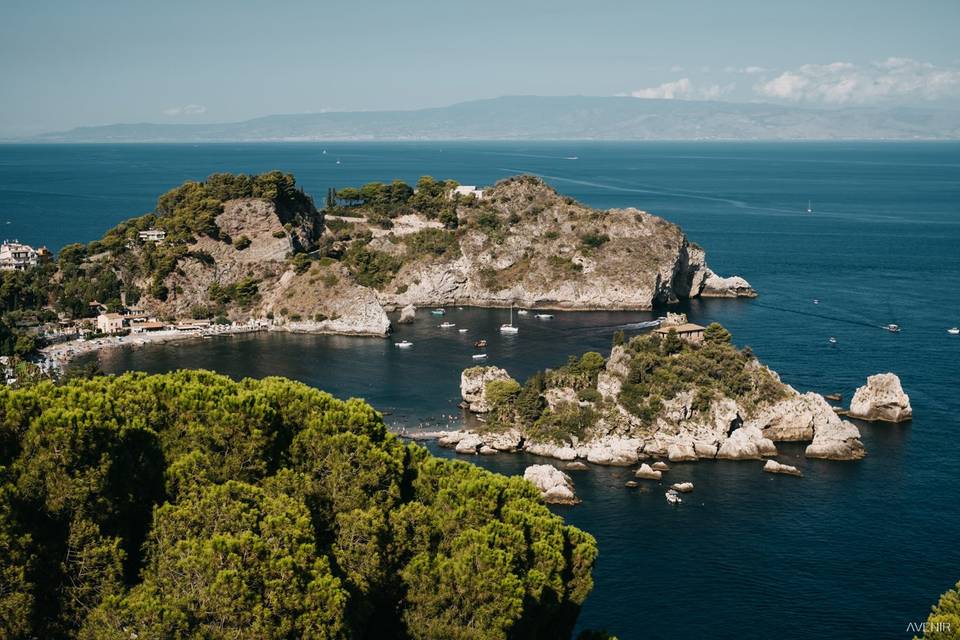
[[64, 64]]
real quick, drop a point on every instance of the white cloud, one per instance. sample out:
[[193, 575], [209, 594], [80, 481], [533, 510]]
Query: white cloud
[[185, 110], [683, 89], [847, 83], [751, 70]]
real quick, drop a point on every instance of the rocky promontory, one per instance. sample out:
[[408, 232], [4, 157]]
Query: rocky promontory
[[554, 485], [654, 396], [881, 399], [256, 248]]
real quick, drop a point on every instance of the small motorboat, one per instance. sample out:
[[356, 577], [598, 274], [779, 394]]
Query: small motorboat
[[673, 497], [403, 344], [815, 301], [438, 312], [447, 325], [479, 356], [522, 312], [893, 328], [836, 397], [462, 330], [833, 340], [954, 331], [544, 316], [480, 344]]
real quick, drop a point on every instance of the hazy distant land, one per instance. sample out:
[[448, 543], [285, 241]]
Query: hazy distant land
[[547, 118]]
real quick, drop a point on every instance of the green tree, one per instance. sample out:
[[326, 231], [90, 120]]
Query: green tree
[[715, 333], [943, 623]]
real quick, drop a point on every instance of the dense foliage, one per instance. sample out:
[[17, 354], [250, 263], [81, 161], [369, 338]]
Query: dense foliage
[[189, 505], [943, 623]]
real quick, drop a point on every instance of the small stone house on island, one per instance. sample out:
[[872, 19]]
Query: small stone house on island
[[692, 333]]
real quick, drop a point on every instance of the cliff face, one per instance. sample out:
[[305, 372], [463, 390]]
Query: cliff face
[[524, 244], [314, 298]]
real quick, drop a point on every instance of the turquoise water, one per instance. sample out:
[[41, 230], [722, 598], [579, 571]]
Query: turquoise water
[[852, 550]]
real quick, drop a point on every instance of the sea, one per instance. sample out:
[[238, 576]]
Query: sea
[[851, 550]]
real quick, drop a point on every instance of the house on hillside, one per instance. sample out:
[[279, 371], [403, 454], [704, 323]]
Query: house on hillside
[[466, 191], [152, 235], [16, 256], [109, 323], [692, 333]]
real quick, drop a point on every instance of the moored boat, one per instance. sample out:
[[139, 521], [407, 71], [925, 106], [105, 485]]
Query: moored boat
[[543, 316], [437, 312], [480, 344], [509, 328], [954, 331], [447, 325], [462, 330], [479, 356], [403, 344], [673, 497]]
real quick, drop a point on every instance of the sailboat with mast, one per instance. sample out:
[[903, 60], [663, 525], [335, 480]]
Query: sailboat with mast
[[509, 328]]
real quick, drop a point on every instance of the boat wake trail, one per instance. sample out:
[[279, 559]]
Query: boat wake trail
[[810, 314]]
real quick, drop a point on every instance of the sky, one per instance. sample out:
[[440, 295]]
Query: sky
[[66, 64]]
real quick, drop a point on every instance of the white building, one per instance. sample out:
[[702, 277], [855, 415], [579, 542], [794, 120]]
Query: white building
[[467, 190], [15, 256], [152, 235], [109, 323]]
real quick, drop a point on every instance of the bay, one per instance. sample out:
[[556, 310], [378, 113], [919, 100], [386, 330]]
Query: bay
[[852, 550]]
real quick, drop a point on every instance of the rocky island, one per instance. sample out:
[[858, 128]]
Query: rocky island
[[256, 249], [655, 395]]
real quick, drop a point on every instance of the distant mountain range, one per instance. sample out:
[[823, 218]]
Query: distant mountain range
[[555, 118]]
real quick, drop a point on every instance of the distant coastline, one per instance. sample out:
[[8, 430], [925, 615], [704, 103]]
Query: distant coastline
[[543, 118]]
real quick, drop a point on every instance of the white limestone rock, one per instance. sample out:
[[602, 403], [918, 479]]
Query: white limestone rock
[[793, 419], [681, 452], [555, 486], [550, 450], [646, 472], [881, 399], [682, 487], [836, 440], [407, 314], [746, 443], [470, 443], [612, 451], [473, 386], [772, 466]]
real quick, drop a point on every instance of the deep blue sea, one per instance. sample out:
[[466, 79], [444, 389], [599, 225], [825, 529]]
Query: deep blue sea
[[851, 550]]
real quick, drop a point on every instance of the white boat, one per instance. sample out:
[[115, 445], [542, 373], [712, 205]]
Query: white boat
[[438, 312], [833, 340], [809, 207], [462, 330], [673, 497], [479, 356], [403, 344], [815, 301], [522, 312], [509, 328], [544, 316], [447, 325], [893, 328], [953, 331]]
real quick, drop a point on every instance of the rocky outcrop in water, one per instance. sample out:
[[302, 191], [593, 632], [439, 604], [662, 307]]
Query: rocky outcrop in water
[[646, 472], [623, 419], [473, 386], [772, 466], [881, 399], [408, 314], [555, 486]]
